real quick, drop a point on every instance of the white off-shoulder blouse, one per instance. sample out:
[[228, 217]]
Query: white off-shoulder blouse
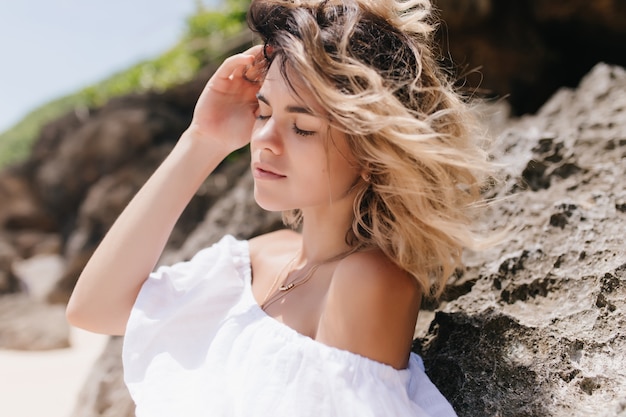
[[198, 344]]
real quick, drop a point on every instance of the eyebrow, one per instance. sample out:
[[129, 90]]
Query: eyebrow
[[289, 109]]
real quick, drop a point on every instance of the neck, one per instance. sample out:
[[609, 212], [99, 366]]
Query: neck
[[324, 232]]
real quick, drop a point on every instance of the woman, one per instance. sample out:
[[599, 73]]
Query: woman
[[356, 136]]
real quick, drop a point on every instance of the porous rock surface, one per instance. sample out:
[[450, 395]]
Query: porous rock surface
[[536, 326]]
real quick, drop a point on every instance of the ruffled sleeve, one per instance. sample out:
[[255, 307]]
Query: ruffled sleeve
[[179, 309]]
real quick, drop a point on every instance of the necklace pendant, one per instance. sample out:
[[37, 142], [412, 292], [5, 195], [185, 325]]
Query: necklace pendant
[[286, 287]]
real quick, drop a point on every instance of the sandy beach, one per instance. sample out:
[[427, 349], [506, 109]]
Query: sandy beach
[[46, 384]]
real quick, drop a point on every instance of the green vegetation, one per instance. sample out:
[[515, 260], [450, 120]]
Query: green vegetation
[[205, 34]]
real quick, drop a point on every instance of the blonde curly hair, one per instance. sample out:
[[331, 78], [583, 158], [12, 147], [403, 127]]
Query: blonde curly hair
[[371, 66]]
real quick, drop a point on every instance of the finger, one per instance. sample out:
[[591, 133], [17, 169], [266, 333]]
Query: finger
[[233, 64], [239, 71], [254, 51], [254, 72]]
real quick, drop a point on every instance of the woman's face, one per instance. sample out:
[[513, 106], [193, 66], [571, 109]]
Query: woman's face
[[298, 160]]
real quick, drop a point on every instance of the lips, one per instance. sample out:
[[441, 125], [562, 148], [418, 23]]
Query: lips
[[263, 171]]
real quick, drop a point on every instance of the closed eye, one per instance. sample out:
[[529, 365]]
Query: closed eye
[[302, 132]]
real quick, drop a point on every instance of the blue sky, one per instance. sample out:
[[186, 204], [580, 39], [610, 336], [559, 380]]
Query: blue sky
[[49, 48]]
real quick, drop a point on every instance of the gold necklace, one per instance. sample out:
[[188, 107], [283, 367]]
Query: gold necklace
[[287, 287], [288, 265]]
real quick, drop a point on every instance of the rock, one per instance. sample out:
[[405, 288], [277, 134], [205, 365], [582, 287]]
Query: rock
[[114, 136], [31, 243], [217, 187], [26, 324], [236, 213], [53, 133], [525, 50], [8, 254], [17, 245], [537, 326], [20, 208], [39, 275], [104, 201], [104, 394], [60, 294]]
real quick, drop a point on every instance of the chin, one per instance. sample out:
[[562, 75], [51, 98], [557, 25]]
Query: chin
[[269, 204]]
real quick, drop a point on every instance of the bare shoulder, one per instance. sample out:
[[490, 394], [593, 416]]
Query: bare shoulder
[[373, 271], [375, 281], [371, 308], [273, 241]]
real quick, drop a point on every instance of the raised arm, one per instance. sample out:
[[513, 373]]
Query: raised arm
[[222, 122]]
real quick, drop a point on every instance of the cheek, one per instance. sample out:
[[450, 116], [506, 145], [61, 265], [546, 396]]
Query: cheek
[[344, 167], [339, 180]]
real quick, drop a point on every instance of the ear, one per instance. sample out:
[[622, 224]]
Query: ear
[[366, 176]]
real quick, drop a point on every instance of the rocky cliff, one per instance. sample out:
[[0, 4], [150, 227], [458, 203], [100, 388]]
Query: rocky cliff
[[537, 325], [531, 327]]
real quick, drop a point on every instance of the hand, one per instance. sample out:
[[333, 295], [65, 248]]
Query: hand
[[225, 111]]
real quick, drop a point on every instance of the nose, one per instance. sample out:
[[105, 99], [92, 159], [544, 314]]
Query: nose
[[265, 137]]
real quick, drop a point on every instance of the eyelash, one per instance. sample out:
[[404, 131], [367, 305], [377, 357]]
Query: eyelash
[[302, 132], [295, 128]]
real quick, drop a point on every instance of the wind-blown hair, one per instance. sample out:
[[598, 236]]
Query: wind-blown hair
[[370, 64]]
